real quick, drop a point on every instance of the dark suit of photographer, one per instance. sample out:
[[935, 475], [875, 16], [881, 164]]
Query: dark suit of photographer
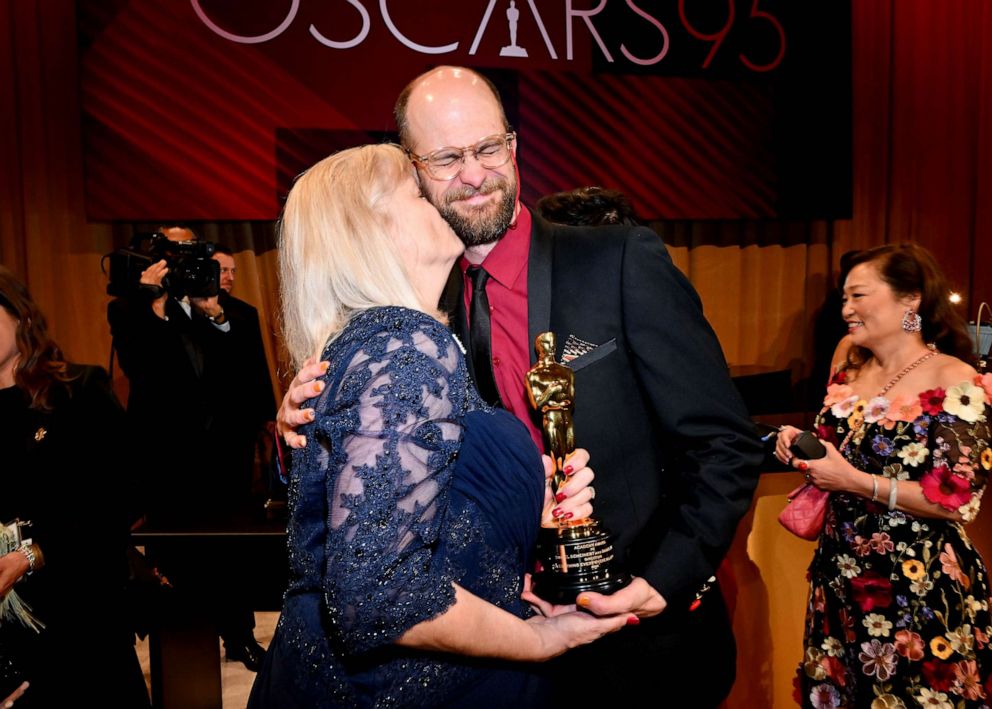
[[175, 354], [170, 358]]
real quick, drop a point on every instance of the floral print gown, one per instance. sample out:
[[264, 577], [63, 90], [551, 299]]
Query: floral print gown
[[898, 612]]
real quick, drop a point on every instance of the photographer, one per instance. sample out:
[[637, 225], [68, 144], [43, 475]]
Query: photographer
[[175, 344], [169, 346]]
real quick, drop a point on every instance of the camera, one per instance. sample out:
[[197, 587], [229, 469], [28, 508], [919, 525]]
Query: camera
[[192, 271]]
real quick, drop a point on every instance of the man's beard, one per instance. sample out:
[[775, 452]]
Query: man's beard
[[485, 224]]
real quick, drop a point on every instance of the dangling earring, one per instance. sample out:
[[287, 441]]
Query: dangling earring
[[912, 322]]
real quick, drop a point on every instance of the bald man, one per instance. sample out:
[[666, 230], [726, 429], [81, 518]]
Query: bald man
[[674, 451]]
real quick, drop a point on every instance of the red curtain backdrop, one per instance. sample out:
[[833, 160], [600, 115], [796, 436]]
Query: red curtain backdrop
[[922, 141], [923, 133]]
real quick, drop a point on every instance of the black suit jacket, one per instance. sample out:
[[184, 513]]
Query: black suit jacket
[[66, 470], [177, 404], [674, 451], [173, 366]]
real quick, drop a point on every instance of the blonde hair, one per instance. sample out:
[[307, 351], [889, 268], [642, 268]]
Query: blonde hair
[[336, 257]]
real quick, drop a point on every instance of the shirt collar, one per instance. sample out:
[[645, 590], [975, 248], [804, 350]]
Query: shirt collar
[[506, 262]]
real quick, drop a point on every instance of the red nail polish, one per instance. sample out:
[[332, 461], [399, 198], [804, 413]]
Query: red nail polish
[[568, 515], [633, 620], [556, 512], [560, 496], [568, 470]]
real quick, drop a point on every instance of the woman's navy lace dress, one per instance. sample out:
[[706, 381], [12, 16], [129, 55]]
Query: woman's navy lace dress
[[408, 484]]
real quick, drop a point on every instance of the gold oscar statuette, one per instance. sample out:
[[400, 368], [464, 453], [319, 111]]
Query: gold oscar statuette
[[573, 555]]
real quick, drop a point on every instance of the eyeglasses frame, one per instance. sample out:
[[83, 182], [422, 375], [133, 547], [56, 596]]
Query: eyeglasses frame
[[424, 160]]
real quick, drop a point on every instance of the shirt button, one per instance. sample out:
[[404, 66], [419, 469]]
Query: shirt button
[[495, 361]]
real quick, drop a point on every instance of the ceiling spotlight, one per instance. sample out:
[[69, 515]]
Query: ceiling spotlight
[[954, 297]]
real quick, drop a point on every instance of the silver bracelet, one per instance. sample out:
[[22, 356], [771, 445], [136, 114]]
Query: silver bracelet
[[874, 488], [893, 493], [28, 551]]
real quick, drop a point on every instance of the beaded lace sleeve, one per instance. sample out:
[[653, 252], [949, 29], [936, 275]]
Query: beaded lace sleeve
[[389, 433]]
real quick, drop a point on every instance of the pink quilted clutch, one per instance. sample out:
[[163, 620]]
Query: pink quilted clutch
[[806, 511]]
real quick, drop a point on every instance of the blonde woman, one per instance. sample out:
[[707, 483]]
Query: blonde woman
[[414, 508]]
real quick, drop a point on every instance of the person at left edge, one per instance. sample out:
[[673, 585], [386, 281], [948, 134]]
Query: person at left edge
[[64, 469]]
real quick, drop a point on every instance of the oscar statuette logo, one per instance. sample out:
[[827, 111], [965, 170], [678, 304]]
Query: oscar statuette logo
[[573, 555]]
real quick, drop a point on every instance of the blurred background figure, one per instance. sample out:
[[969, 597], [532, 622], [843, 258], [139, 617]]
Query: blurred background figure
[[64, 469], [250, 411], [588, 206]]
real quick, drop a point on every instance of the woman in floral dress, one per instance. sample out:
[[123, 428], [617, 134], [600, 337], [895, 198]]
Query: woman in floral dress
[[898, 612]]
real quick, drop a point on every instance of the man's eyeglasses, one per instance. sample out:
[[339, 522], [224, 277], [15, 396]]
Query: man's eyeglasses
[[445, 163]]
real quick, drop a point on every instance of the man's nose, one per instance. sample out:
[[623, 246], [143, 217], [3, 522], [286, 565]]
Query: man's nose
[[472, 172]]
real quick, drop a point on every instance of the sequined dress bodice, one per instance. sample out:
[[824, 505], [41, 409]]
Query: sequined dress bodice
[[408, 484]]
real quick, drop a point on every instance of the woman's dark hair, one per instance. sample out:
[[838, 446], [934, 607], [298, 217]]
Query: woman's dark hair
[[909, 269], [41, 364]]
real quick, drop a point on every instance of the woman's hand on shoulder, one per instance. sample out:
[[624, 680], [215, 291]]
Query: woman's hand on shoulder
[[574, 500]]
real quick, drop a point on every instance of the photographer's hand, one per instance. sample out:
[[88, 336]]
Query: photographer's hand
[[152, 276], [208, 307]]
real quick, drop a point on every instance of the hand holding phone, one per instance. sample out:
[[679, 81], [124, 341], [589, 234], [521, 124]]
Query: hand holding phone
[[807, 446]]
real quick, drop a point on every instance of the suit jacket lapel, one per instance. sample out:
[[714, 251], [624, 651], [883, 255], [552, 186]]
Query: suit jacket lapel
[[539, 281]]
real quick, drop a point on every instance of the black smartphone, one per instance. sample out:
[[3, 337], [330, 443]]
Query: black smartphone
[[807, 446]]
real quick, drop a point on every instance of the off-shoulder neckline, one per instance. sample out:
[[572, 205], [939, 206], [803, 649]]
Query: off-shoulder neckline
[[958, 385]]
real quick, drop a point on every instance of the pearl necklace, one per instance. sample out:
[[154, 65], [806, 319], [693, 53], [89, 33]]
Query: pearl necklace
[[907, 370]]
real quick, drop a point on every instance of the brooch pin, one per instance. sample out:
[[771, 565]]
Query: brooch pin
[[40, 434]]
